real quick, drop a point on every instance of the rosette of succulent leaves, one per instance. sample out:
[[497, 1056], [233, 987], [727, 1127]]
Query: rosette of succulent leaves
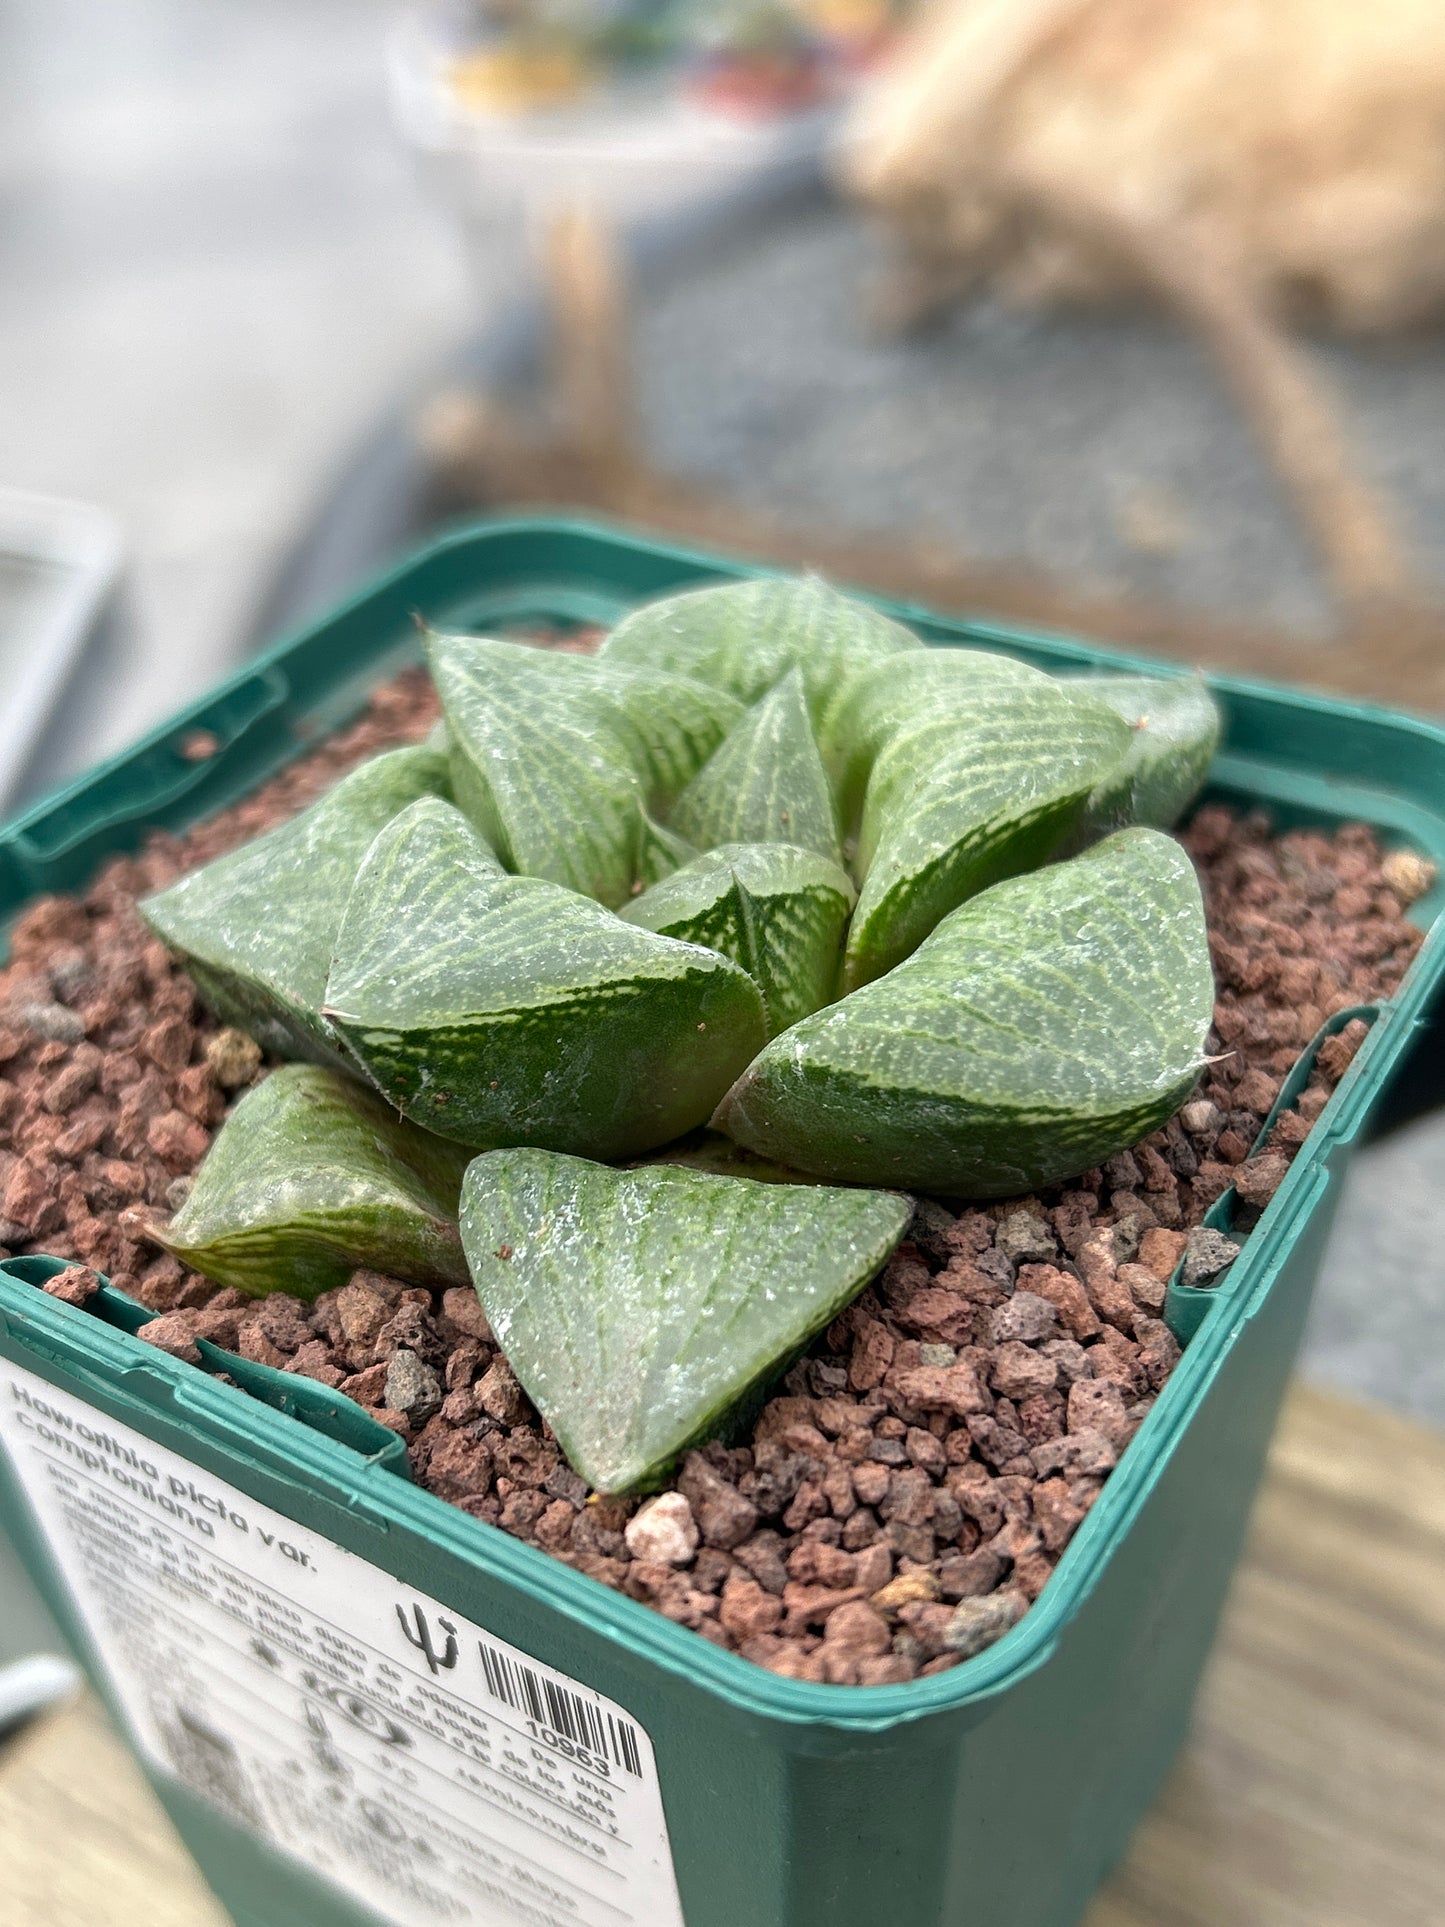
[[645, 992]]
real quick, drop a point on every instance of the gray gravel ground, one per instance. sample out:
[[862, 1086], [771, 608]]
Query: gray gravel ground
[[1099, 447]]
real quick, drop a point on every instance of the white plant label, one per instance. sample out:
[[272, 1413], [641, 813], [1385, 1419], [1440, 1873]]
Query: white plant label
[[425, 1767]]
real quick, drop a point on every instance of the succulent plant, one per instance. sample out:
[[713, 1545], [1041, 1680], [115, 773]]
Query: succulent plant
[[500, 1009], [640, 1308], [314, 1176], [1036, 1031], [257, 927], [765, 863]]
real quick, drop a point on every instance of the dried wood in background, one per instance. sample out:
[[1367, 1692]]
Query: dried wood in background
[[1237, 160]]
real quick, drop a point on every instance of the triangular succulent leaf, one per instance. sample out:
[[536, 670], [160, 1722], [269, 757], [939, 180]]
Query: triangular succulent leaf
[[956, 804], [927, 694], [765, 783], [497, 1009], [311, 1176], [1175, 725], [257, 927], [745, 636], [554, 758], [777, 911], [640, 1308], [1053, 1020], [669, 725]]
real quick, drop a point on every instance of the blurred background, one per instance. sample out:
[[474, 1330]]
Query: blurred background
[[1120, 316]]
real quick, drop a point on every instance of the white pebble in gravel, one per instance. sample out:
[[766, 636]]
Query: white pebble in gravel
[[664, 1532]]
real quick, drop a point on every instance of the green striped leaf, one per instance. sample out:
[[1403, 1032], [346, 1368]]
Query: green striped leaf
[[555, 758], [640, 1309], [1175, 725], [508, 1010], [710, 1151], [668, 725], [765, 783], [960, 800], [777, 911], [659, 853], [923, 698], [745, 636], [257, 927], [312, 1176], [1047, 1024]]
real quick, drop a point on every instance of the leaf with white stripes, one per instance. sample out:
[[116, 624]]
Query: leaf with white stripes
[[498, 1009], [924, 697], [777, 911], [311, 1176], [1175, 725], [555, 758], [641, 1309], [256, 927], [765, 783], [1053, 1020], [957, 802], [659, 853], [746, 636]]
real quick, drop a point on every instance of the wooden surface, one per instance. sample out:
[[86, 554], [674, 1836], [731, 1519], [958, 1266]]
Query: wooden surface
[[1313, 1794]]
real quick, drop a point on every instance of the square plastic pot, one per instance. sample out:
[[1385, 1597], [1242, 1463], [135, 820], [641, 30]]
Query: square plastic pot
[[1001, 1791]]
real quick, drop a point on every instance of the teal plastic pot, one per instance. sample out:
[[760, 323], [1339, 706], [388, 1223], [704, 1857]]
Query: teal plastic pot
[[359, 1703]]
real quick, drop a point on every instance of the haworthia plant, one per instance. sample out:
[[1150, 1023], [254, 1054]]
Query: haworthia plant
[[746, 636], [312, 1176], [612, 899], [1052, 1020], [765, 783], [724, 1157], [659, 852], [640, 1308], [1175, 724], [778, 911], [557, 758], [508, 1010], [956, 801], [931, 691], [257, 928]]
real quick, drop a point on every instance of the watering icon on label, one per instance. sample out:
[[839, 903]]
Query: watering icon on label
[[357, 1709]]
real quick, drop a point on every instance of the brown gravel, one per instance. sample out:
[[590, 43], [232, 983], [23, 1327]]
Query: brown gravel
[[905, 1498]]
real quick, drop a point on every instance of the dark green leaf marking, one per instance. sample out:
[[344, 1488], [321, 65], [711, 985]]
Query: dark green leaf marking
[[508, 1010], [777, 911], [638, 1308], [256, 928], [1048, 1023], [312, 1176]]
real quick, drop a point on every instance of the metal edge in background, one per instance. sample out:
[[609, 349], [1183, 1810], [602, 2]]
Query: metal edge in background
[[82, 545]]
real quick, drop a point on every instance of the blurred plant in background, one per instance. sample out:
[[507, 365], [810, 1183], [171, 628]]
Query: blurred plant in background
[[745, 57]]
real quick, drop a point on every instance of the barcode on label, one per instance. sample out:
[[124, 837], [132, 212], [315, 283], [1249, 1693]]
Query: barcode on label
[[553, 1706]]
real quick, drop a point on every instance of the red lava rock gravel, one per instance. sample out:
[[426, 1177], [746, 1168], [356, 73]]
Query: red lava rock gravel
[[908, 1493]]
